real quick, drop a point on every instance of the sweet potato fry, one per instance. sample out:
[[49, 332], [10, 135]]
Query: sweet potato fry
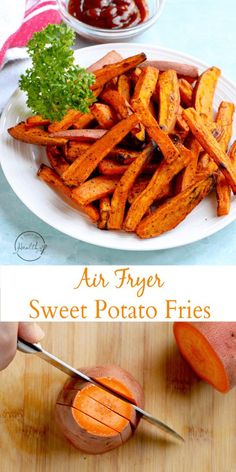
[[56, 159], [94, 189], [79, 171], [182, 70], [224, 118], [108, 72], [181, 127], [175, 210], [203, 92], [104, 209], [66, 122], [138, 187], [117, 101], [187, 176], [124, 87], [57, 184], [75, 149], [156, 187], [232, 154], [111, 167], [34, 135], [210, 145], [145, 85], [104, 115], [83, 121], [163, 141], [169, 100], [110, 58], [186, 93], [36, 120], [80, 134], [121, 192]]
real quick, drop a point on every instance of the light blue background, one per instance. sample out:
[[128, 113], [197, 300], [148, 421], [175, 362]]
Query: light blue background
[[203, 28]]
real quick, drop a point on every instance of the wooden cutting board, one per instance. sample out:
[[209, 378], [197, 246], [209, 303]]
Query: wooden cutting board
[[30, 439]]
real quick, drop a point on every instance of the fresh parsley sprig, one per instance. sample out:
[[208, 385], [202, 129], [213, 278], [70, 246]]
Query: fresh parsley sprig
[[54, 84]]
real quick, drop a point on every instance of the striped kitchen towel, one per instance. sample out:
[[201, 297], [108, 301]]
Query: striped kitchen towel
[[19, 19]]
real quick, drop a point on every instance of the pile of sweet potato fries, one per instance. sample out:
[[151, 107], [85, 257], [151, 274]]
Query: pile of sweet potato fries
[[147, 152]]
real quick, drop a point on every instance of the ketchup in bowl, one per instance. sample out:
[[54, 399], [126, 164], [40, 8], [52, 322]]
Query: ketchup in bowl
[[109, 14]]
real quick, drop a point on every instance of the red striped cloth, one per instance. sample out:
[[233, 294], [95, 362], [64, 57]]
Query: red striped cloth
[[36, 14]]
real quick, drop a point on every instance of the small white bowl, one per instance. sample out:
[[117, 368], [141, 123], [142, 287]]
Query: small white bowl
[[101, 35]]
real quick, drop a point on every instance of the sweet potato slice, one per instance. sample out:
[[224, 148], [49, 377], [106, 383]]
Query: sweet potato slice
[[83, 121], [187, 176], [111, 167], [104, 115], [117, 101], [163, 141], [209, 348], [156, 188], [224, 118], [203, 92], [36, 120], [110, 58], [121, 192], [56, 159], [211, 146], [124, 87], [232, 154], [138, 187], [145, 85], [174, 211], [56, 183], [94, 189], [104, 209], [66, 122], [183, 70], [96, 421], [186, 93], [113, 70], [169, 100], [79, 171], [75, 149], [34, 135], [80, 134]]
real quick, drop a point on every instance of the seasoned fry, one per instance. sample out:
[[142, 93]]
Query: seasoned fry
[[79, 171], [124, 87], [187, 176], [145, 86], [117, 101], [66, 122], [121, 192], [75, 149], [56, 159], [108, 72], [175, 210], [211, 146], [83, 121], [111, 167], [232, 154], [94, 189], [224, 118], [156, 187], [104, 115], [182, 128], [36, 120], [169, 100], [203, 92], [163, 141], [186, 92], [104, 208], [34, 135], [138, 187]]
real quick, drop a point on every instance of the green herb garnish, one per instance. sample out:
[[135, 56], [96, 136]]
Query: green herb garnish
[[54, 84]]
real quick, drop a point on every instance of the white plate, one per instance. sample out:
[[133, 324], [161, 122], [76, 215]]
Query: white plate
[[20, 163]]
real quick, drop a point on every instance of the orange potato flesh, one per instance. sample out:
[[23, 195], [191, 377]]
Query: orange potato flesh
[[34, 135], [203, 92], [104, 115], [110, 71], [94, 189], [169, 100], [124, 87], [145, 85], [208, 348], [37, 120], [186, 92]]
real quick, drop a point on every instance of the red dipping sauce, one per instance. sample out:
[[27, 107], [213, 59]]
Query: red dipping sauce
[[109, 14]]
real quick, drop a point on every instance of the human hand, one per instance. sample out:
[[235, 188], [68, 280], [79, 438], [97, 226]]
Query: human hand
[[9, 332]]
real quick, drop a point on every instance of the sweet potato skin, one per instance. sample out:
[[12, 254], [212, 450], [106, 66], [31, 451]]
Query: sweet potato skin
[[221, 338], [82, 439], [171, 213]]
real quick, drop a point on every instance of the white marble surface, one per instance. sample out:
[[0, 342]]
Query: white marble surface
[[203, 28]]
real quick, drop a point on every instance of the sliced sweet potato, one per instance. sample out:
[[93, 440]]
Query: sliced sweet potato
[[155, 189], [232, 154], [80, 134], [113, 70], [145, 85], [94, 189], [187, 176], [171, 213], [124, 87], [66, 122], [138, 187], [36, 120], [183, 70], [209, 348], [93, 420], [111, 167], [104, 115], [75, 149], [167, 147], [79, 171], [123, 187], [181, 127], [34, 135], [224, 118], [104, 209], [186, 93], [56, 183], [56, 159], [169, 100], [117, 101], [110, 58], [211, 146], [83, 121], [203, 92]]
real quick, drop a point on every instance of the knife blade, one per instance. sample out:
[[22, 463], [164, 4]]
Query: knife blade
[[30, 348]]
